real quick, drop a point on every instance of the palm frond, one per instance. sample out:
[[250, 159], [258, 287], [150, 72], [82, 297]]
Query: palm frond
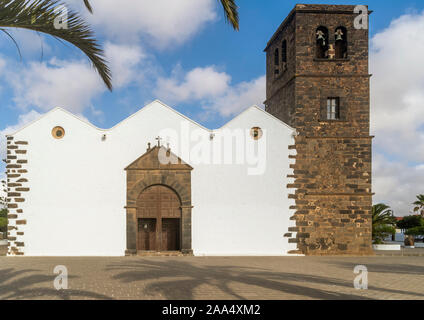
[[43, 16], [383, 222], [13, 40], [382, 214], [231, 12], [420, 200], [88, 6], [419, 203]]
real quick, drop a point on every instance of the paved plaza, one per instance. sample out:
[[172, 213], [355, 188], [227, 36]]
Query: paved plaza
[[212, 278]]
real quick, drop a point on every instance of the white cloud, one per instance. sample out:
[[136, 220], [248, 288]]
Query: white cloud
[[123, 61], [398, 87], [165, 22], [72, 84], [57, 83], [397, 113], [31, 44], [23, 120], [239, 97], [397, 184], [212, 89], [199, 83]]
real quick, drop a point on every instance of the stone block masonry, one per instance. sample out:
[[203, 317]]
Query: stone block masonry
[[332, 191], [331, 178], [16, 174]]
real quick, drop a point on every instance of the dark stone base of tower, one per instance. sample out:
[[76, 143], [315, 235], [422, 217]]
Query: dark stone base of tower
[[333, 201], [318, 82]]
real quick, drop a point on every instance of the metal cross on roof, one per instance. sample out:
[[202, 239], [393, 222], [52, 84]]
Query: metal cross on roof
[[158, 138]]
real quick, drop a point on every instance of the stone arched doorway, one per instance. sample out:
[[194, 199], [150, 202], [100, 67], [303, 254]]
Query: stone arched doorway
[[158, 219], [149, 177]]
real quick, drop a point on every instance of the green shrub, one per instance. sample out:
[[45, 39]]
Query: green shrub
[[417, 231], [3, 220], [410, 222], [3, 213]]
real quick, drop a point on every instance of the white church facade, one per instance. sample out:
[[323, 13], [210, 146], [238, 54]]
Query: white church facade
[[293, 179], [156, 182]]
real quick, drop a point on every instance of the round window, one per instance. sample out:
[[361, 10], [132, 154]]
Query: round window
[[58, 132], [256, 133]]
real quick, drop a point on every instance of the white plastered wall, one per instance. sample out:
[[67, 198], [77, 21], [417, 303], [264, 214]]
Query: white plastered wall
[[75, 206]]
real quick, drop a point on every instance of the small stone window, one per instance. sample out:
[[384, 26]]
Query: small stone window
[[58, 132], [284, 51], [284, 54], [276, 61], [333, 108], [321, 43], [256, 133]]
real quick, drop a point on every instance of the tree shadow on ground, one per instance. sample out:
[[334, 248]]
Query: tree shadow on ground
[[174, 279], [409, 269], [20, 285]]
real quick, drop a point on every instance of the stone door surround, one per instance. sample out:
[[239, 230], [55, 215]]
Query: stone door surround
[[148, 171]]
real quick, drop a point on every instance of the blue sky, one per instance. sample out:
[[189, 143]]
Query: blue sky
[[166, 54], [239, 54]]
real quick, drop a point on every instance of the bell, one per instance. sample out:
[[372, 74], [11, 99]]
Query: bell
[[320, 36], [339, 34]]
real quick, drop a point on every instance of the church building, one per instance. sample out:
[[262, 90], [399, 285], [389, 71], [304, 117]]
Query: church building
[[294, 178]]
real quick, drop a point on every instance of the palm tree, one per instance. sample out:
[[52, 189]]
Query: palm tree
[[42, 16], [419, 204], [383, 222], [230, 10]]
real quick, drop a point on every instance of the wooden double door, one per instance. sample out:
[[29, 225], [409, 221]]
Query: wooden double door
[[158, 220]]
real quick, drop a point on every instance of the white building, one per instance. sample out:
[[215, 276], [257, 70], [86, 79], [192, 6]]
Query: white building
[[77, 190]]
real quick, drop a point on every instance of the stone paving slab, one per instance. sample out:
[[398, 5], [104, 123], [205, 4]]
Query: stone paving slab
[[263, 278], [3, 250], [417, 252]]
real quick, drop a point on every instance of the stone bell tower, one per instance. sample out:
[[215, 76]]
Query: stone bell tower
[[318, 82]]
